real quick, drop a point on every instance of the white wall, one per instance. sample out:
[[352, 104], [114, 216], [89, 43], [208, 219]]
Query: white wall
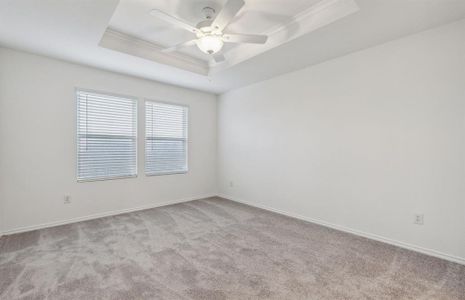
[[38, 143], [361, 142]]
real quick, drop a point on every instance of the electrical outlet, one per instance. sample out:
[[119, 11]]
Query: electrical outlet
[[67, 199], [231, 184], [418, 219]]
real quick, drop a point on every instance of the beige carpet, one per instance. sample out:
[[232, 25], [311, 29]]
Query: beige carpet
[[215, 249]]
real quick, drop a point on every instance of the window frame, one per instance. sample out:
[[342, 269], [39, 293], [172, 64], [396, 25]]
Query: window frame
[[187, 107], [136, 137]]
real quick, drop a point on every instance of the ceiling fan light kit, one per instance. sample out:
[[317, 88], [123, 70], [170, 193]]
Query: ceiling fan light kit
[[209, 32], [210, 44]]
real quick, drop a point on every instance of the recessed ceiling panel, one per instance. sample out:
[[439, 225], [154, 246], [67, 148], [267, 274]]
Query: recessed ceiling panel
[[133, 19], [261, 16]]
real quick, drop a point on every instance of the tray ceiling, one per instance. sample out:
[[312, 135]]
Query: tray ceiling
[[72, 30], [134, 31]]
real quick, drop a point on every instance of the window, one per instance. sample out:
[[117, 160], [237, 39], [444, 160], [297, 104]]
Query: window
[[165, 138], [106, 136]]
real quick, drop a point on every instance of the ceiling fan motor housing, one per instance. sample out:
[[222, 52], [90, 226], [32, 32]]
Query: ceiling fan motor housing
[[205, 26], [209, 32], [209, 41]]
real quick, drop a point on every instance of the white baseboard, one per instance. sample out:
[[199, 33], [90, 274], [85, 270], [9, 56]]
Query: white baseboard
[[100, 215], [372, 236]]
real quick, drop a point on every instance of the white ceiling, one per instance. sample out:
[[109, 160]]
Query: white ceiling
[[132, 30], [258, 16], [71, 30]]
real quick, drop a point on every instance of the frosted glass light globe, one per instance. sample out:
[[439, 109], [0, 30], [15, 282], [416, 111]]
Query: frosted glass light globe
[[210, 44]]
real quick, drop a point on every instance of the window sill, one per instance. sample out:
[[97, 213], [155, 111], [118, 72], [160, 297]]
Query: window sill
[[167, 173], [106, 178]]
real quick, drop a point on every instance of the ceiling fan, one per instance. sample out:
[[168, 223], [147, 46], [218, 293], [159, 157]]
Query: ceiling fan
[[210, 32]]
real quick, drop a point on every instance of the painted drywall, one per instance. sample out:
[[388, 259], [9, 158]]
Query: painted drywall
[[38, 144], [362, 142]]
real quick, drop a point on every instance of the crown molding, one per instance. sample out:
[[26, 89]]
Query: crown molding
[[316, 16], [121, 42]]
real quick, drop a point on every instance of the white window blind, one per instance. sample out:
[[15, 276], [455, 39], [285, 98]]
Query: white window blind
[[165, 138], [107, 136]]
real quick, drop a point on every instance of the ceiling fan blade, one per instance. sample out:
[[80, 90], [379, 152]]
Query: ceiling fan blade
[[218, 57], [179, 46], [173, 20], [225, 16], [245, 38]]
